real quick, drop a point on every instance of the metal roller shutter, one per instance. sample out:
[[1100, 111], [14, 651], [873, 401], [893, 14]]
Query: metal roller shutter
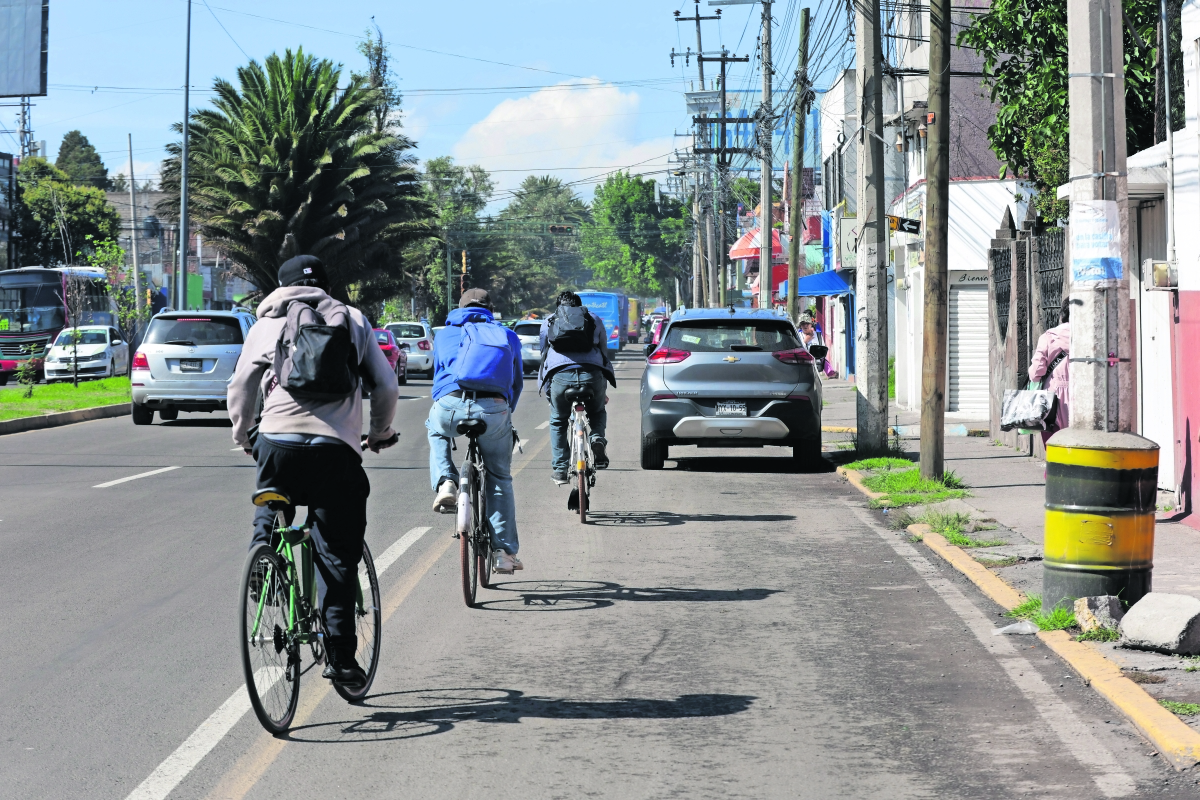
[[969, 350]]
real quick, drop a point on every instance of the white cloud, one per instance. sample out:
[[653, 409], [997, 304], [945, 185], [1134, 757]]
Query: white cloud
[[570, 133]]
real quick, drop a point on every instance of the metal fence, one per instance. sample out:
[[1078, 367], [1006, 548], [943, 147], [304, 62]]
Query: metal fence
[[1002, 275], [1050, 275]]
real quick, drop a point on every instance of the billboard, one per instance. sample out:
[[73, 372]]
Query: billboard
[[24, 28]]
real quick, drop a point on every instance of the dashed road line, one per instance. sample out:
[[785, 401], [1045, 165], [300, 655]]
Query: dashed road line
[[543, 426], [134, 477]]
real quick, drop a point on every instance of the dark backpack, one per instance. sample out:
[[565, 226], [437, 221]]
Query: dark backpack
[[571, 330], [313, 358]]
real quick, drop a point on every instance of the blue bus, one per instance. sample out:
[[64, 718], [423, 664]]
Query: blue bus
[[613, 309]]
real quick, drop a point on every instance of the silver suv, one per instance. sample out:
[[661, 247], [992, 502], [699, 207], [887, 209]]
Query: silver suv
[[185, 362], [731, 378], [530, 334], [418, 340]]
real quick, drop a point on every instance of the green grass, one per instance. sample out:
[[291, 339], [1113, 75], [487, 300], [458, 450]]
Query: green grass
[[1058, 619], [886, 464], [1099, 635], [997, 563], [953, 527], [892, 377], [62, 397], [908, 488], [1182, 709]]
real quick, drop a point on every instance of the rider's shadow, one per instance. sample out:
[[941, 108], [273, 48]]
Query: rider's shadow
[[584, 595], [424, 712]]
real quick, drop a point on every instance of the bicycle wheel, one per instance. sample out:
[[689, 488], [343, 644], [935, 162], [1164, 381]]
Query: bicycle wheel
[[581, 480], [468, 557], [270, 657], [484, 540], [368, 627]]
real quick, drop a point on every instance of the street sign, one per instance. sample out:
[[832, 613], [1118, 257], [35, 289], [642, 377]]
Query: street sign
[[904, 225]]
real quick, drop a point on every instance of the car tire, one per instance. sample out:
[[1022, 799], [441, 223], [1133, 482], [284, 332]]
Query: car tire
[[112, 368], [142, 415], [168, 414], [402, 377], [653, 453]]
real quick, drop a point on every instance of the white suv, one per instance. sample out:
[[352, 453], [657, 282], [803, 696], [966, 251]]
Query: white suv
[[185, 362], [418, 340]]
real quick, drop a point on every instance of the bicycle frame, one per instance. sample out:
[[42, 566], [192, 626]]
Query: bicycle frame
[[582, 459]]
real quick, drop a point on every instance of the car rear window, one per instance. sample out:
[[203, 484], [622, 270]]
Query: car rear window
[[196, 331], [85, 337], [407, 331], [382, 337], [723, 336], [528, 329]]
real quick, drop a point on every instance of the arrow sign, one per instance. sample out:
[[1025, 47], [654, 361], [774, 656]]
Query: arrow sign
[[904, 225]]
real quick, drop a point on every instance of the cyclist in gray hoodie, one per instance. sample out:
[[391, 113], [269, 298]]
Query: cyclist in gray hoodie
[[311, 449]]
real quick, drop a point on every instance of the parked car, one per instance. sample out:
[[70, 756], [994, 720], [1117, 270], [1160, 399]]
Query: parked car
[[185, 361], [100, 350], [419, 339], [730, 378], [656, 329], [529, 332], [396, 354]]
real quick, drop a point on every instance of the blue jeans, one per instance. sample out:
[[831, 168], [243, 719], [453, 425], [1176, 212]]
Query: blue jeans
[[496, 446], [560, 412]]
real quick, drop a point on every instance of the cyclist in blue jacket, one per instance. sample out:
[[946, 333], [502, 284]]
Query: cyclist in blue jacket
[[496, 378]]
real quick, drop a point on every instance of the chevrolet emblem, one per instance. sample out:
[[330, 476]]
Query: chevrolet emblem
[[731, 359]]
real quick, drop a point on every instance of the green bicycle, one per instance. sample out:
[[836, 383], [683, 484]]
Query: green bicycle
[[280, 614]]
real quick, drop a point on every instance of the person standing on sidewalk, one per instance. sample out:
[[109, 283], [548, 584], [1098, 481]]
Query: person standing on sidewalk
[[1053, 356], [573, 355]]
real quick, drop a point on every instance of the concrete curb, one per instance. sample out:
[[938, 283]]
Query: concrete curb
[[856, 480], [913, 430], [1178, 742], [63, 418]]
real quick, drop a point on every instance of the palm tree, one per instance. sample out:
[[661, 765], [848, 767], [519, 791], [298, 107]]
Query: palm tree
[[287, 164]]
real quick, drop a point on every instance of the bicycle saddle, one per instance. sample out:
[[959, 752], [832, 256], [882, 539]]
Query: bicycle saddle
[[580, 393], [471, 427], [265, 497]]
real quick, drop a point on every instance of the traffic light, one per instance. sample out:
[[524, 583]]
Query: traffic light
[[562, 229]]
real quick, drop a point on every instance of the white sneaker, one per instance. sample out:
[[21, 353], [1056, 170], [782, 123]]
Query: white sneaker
[[446, 501], [506, 564]]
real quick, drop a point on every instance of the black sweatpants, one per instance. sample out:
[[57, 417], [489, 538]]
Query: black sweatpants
[[329, 479]]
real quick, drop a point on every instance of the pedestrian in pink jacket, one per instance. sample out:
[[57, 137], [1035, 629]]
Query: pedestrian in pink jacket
[[1050, 345]]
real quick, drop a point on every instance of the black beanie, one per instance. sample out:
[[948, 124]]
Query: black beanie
[[301, 268]]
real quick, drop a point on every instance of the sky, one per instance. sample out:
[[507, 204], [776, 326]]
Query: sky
[[533, 87]]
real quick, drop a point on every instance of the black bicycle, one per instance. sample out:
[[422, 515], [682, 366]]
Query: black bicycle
[[472, 528]]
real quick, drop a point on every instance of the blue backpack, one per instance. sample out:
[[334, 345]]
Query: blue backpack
[[484, 362]]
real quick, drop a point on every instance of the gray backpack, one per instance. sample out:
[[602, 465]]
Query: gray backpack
[[315, 356]]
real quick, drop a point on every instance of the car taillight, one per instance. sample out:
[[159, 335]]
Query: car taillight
[[797, 356], [664, 397], [140, 361], [797, 397], [665, 355], [613, 335], [424, 345]]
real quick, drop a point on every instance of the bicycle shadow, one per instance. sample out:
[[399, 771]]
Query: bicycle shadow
[[588, 595], [413, 714], [658, 519]]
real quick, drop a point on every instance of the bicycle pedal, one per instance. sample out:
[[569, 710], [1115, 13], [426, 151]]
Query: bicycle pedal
[[573, 500]]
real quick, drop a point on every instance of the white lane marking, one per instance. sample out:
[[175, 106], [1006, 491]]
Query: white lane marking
[[133, 477], [398, 549], [175, 767], [239, 447], [1087, 750], [543, 426]]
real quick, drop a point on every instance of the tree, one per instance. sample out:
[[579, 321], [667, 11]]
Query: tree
[[379, 77], [1024, 47], [81, 162], [539, 266], [288, 163], [632, 242], [110, 257], [119, 184], [54, 217]]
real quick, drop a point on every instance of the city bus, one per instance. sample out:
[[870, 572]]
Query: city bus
[[33, 310], [613, 309]]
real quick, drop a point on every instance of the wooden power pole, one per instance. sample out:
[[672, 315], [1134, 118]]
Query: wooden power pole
[[937, 215], [871, 325], [796, 201]]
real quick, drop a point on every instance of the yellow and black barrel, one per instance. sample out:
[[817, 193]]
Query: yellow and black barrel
[[1101, 490]]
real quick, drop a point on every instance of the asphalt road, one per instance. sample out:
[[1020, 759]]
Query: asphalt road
[[724, 628]]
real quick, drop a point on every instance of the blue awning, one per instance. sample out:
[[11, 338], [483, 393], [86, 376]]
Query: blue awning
[[819, 285]]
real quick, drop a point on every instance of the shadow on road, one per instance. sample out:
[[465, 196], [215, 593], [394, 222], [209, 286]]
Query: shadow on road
[[424, 712], [221, 422], [659, 519], [586, 595], [751, 465]]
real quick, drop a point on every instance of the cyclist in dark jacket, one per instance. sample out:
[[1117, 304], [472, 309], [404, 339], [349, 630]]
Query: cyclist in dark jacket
[[562, 370]]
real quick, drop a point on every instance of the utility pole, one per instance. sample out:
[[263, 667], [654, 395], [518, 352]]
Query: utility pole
[[181, 272], [937, 258], [765, 130], [872, 350], [449, 276], [1100, 380], [1166, 69], [797, 198], [133, 247]]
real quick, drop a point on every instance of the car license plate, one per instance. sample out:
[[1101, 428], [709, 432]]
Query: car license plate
[[731, 409], [189, 364]]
